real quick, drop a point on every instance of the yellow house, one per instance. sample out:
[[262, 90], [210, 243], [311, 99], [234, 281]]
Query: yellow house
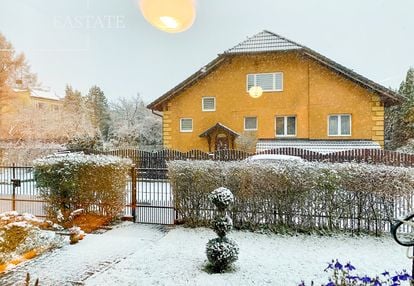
[[20, 100], [280, 92]]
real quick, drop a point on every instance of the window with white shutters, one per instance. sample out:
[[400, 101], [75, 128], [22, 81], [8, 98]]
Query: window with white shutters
[[267, 81], [186, 124], [339, 125], [250, 123], [209, 104]]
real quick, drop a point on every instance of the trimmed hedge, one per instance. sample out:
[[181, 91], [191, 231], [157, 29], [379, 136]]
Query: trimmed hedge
[[293, 195], [95, 183]]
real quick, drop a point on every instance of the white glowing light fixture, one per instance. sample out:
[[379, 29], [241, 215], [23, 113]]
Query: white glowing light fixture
[[172, 16], [255, 91]]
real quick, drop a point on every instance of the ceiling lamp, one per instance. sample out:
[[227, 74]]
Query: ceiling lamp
[[172, 16], [255, 91]]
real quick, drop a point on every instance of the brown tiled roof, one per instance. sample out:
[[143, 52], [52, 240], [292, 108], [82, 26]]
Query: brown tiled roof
[[267, 42]]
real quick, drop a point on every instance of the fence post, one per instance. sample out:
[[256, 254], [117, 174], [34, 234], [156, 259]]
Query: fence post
[[134, 192], [14, 187]]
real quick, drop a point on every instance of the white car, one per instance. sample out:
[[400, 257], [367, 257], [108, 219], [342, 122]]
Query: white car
[[274, 158]]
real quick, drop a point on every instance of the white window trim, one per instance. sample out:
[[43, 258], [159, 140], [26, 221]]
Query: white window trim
[[285, 125], [202, 104], [274, 81], [339, 125], [244, 123], [181, 127]]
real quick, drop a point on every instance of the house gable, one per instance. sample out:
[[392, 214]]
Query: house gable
[[268, 42]]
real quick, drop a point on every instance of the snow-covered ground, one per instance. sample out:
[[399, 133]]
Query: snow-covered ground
[[137, 254]]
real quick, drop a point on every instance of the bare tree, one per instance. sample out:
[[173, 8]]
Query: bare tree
[[133, 125]]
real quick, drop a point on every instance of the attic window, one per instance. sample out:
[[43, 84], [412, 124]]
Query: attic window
[[267, 81], [209, 104]]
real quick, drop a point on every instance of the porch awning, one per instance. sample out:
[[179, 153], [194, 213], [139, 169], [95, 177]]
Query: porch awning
[[219, 127]]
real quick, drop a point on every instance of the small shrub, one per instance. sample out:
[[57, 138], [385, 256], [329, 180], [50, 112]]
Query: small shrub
[[85, 143], [221, 252], [70, 182]]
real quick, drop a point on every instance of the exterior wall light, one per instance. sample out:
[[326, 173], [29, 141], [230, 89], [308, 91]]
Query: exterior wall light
[[255, 91], [172, 16]]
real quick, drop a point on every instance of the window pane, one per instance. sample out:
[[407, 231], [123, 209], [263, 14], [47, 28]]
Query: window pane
[[250, 81], [250, 123], [186, 124], [333, 125], [345, 125], [291, 125], [208, 103], [280, 126], [265, 81], [278, 81]]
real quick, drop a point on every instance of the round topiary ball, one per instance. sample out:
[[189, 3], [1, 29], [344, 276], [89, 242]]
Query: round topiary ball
[[221, 198], [221, 225], [221, 252]]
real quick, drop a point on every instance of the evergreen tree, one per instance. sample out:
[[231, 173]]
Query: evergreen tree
[[400, 118], [99, 110], [72, 101], [14, 71]]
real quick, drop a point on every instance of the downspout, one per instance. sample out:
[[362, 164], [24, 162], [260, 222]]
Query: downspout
[[162, 126], [153, 112]]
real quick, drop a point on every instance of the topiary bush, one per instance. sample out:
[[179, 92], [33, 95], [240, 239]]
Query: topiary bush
[[94, 183], [221, 251]]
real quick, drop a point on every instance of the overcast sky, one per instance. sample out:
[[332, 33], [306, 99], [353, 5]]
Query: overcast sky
[[120, 52]]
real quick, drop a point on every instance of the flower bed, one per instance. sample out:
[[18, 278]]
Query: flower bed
[[23, 237]]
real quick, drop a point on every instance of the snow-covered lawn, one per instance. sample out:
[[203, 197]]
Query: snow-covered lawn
[[136, 254]]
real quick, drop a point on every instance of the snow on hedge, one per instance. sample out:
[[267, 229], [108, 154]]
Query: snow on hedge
[[82, 159], [299, 195], [95, 183]]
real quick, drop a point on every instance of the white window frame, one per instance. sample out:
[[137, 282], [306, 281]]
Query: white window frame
[[202, 104], [285, 117], [274, 81], [339, 125], [244, 123], [181, 125]]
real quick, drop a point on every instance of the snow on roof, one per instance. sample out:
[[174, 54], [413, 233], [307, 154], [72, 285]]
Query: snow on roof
[[44, 93], [264, 41], [321, 146]]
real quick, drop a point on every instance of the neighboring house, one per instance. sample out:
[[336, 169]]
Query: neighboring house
[[308, 101], [22, 100]]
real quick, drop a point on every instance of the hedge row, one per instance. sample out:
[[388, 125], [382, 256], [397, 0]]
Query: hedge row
[[294, 195], [95, 183]]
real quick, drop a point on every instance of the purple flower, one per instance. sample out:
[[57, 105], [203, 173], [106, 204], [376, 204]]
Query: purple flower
[[365, 279], [330, 266], [395, 278], [385, 273], [349, 266], [376, 283], [404, 277], [338, 265], [330, 283]]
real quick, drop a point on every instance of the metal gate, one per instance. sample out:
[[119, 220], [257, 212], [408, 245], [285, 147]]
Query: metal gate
[[152, 196]]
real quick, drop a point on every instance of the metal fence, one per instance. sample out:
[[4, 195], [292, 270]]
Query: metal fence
[[149, 197], [158, 159]]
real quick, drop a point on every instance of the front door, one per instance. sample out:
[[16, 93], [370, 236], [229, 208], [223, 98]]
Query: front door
[[222, 142]]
